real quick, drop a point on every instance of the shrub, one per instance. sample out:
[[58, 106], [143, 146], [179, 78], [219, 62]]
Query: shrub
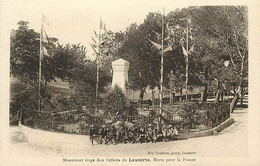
[[189, 112], [115, 102]]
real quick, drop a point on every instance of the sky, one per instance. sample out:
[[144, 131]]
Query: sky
[[75, 21]]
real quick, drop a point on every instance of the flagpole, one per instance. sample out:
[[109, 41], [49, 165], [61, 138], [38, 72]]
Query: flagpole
[[40, 68], [187, 59], [161, 82], [97, 63]]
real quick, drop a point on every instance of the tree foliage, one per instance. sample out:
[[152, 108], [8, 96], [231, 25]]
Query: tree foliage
[[66, 62], [115, 102]]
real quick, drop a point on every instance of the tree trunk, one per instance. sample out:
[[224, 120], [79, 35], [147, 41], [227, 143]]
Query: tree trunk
[[141, 97], [173, 97], [219, 92], [235, 100], [153, 105], [240, 87], [217, 97], [180, 99], [205, 93], [222, 95], [242, 94], [233, 103]]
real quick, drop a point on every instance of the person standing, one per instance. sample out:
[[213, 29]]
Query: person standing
[[92, 133], [103, 134], [112, 134]]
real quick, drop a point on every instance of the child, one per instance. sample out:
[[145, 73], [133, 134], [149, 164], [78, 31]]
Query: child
[[150, 133], [165, 133], [176, 133], [171, 132], [141, 135]]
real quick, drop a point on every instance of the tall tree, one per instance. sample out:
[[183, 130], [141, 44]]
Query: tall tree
[[144, 58], [24, 59], [228, 27]]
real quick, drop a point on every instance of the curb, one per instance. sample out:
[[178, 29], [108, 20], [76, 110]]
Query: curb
[[212, 131]]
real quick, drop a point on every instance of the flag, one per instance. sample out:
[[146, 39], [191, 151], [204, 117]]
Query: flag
[[95, 33], [168, 49], [44, 35], [94, 40], [184, 51], [192, 48], [93, 47], [157, 34], [102, 25], [158, 46], [44, 51], [44, 20], [45, 23]]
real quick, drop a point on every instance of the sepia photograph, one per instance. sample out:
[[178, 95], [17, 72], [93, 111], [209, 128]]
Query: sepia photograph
[[128, 83]]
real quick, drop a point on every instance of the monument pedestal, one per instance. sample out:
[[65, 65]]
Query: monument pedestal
[[120, 75]]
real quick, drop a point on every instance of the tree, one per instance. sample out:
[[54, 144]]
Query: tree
[[24, 59], [80, 72], [144, 58], [216, 37], [137, 50], [227, 26], [66, 62]]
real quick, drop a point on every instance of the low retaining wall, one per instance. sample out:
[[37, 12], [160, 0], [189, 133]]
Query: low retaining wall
[[209, 132], [49, 138]]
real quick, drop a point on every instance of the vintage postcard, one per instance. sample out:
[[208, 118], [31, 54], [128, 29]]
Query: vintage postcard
[[129, 82]]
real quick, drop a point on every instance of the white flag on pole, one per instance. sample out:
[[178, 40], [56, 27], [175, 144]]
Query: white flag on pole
[[168, 49], [192, 48], [184, 51], [45, 23], [158, 46], [45, 51]]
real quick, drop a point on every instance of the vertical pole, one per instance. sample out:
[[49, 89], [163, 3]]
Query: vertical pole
[[97, 63], [187, 60], [40, 69], [21, 114], [153, 106], [161, 82]]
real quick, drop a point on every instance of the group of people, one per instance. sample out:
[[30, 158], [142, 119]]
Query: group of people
[[133, 134]]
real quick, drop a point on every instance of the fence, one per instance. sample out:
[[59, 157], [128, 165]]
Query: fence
[[217, 113], [185, 117]]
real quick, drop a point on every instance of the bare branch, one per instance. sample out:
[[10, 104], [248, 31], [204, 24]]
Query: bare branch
[[232, 61], [237, 46], [224, 42]]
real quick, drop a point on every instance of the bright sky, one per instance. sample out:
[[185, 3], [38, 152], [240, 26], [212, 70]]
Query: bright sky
[[74, 21]]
